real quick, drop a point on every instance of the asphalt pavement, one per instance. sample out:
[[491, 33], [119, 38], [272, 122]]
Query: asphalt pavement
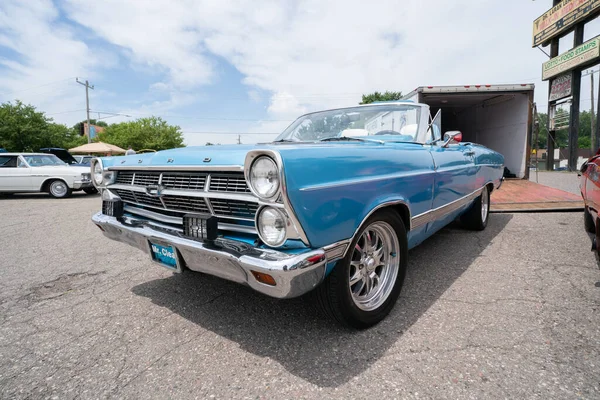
[[510, 312]]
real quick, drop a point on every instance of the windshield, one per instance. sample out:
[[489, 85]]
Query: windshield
[[43, 160], [401, 121]]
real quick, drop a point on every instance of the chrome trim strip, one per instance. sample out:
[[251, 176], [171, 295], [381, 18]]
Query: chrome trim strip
[[176, 220], [287, 206], [189, 193], [365, 179], [336, 250], [198, 168], [431, 215], [186, 211]]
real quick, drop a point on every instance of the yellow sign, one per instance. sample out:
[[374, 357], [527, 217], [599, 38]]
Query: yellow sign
[[561, 18]]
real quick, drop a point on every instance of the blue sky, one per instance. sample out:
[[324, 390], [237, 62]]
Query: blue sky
[[246, 66]]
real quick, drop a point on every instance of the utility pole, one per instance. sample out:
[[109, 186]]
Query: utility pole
[[592, 131], [87, 104]]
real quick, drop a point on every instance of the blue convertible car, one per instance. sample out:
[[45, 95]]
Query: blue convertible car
[[331, 206]]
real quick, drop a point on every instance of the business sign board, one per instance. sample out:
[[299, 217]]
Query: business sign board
[[580, 55], [561, 18], [560, 87]]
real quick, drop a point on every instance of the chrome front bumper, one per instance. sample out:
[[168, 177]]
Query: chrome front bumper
[[294, 274]]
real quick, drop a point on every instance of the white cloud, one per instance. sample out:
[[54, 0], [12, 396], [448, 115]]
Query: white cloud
[[285, 104], [48, 57], [303, 55]]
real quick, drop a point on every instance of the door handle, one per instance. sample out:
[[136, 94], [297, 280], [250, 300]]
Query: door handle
[[469, 153]]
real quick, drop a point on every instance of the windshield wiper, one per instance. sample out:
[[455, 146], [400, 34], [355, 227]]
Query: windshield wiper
[[345, 138], [284, 141]]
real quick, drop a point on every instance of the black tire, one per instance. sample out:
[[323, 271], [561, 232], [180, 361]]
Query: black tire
[[90, 190], [476, 218], [59, 189], [588, 221], [334, 296]]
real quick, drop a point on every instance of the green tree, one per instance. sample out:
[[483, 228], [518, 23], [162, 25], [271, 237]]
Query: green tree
[[22, 128], [562, 135], [143, 133], [376, 96]]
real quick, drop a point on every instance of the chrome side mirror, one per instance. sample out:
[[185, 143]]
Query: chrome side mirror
[[452, 136]]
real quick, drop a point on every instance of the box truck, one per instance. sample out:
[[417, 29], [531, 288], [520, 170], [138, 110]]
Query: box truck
[[496, 116]]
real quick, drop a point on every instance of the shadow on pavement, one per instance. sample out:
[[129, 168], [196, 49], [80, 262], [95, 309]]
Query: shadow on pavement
[[296, 335], [41, 196]]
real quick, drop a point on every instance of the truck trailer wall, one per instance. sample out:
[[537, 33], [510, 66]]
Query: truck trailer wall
[[502, 127]]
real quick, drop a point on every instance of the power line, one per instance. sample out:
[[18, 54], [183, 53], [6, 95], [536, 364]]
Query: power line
[[67, 112], [36, 87], [199, 118], [233, 133]]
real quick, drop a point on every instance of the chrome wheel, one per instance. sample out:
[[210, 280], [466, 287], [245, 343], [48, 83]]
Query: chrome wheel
[[485, 203], [374, 266], [58, 189]]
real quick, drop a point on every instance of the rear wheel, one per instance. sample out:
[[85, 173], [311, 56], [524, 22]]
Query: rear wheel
[[476, 218], [364, 286], [588, 221], [59, 189]]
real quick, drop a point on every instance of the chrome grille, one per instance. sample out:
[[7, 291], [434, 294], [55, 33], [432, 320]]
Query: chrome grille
[[229, 183], [184, 192], [185, 203], [234, 208], [145, 178], [143, 198], [184, 181], [126, 195], [124, 177]]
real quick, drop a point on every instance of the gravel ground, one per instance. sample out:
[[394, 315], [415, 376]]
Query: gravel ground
[[503, 313], [567, 181]]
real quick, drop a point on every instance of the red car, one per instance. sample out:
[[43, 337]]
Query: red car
[[590, 190]]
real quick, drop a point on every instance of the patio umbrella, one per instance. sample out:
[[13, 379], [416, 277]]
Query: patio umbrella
[[97, 147]]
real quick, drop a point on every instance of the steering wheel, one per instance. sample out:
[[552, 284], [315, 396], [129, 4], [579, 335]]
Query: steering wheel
[[387, 132]]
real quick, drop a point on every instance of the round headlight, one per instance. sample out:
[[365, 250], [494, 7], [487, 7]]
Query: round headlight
[[264, 177], [97, 173], [271, 226]]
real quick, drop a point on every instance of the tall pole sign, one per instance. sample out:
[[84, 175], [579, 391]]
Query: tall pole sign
[[564, 70], [561, 18]]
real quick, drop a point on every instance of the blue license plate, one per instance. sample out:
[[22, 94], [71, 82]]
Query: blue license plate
[[164, 255]]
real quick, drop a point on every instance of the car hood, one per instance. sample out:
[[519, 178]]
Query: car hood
[[233, 155]]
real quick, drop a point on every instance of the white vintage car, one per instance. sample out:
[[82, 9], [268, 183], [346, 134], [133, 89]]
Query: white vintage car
[[40, 172]]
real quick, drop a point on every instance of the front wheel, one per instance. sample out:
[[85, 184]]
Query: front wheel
[[364, 286], [476, 218], [59, 189]]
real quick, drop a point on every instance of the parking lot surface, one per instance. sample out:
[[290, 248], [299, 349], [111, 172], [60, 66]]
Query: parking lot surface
[[510, 312]]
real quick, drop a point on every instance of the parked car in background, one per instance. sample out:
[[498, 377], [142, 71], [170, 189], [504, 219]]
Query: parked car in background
[[83, 160], [40, 172], [63, 154], [331, 206], [590, 191]]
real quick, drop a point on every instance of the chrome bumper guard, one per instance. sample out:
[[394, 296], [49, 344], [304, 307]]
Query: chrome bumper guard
[[82, 184], [294, 274]]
